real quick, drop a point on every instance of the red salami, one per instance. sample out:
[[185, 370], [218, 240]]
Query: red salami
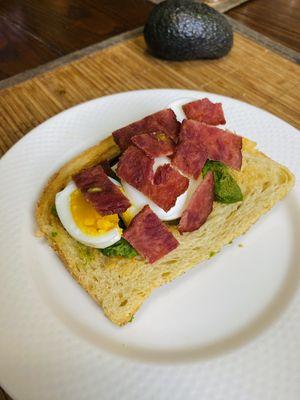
[[135, 168], [163, 187], [191, 153], [167, 185], [199, 206], [190, 157], [106, 197], [149, 236], [205, 111], [162, 121], [198, 141], [223, 146], [154, 144]]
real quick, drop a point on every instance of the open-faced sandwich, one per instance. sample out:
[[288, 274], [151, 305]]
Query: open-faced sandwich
[[154, 199]]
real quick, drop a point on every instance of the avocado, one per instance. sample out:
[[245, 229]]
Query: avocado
[[185, 30]]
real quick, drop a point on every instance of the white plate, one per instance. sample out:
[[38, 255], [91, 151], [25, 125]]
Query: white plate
[[229, 329]]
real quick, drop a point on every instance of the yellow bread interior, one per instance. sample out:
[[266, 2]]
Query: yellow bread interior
[[120, 285]]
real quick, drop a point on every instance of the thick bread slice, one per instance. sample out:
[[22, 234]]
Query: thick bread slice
[[120, 285]]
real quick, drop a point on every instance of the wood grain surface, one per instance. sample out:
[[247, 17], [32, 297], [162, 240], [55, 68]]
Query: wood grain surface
[[33, 32], [220, 5], [224, 5], [250, 73], [277, 19]]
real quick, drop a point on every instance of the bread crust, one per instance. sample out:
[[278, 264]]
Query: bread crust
[[121, 285]]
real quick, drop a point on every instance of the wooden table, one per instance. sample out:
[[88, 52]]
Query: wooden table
[[279, 20], [34, 32], [71, 25], [251, 72]]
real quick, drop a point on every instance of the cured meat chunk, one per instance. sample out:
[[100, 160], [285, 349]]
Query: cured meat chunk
[[136, 168], [167, 185], [98, 189], [163, 187], [190, 157], [198, 142], [223, 146], [154, 144], [149, 236], [199, 206], [191, 153], [205, 111], [162, 121]]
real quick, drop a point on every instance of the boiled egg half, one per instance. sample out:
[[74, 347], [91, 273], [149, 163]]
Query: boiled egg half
[[83, 222]]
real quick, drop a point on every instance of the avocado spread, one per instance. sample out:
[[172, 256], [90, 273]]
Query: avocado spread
[[226, 188], [121, 248]]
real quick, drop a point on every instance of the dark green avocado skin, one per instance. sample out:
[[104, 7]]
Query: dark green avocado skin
[[185, 30]]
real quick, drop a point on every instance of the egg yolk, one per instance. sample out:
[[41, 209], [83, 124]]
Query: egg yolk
[[88, 220], [129, 214]]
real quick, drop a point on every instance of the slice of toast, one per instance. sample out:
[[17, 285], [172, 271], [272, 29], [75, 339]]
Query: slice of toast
[[120, 285]]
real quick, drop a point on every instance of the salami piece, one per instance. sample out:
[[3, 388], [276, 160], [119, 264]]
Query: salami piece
[[149, 236], [98, 190], [163, 187], [198, 142], [190, 157], [162, 121], [199, 206], [191, 153], [154, 144], [136, 168], [224, 146], [167, 185], [205, 111]]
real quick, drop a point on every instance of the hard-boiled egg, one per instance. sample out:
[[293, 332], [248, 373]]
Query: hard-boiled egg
[[176, 106], [83, 222], [130, 213]]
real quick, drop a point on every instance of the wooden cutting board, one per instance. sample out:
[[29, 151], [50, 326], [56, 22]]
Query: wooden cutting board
[[250, 73]]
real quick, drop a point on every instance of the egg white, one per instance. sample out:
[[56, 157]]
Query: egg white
[[176, 106], [158, 161], [62, 204]]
